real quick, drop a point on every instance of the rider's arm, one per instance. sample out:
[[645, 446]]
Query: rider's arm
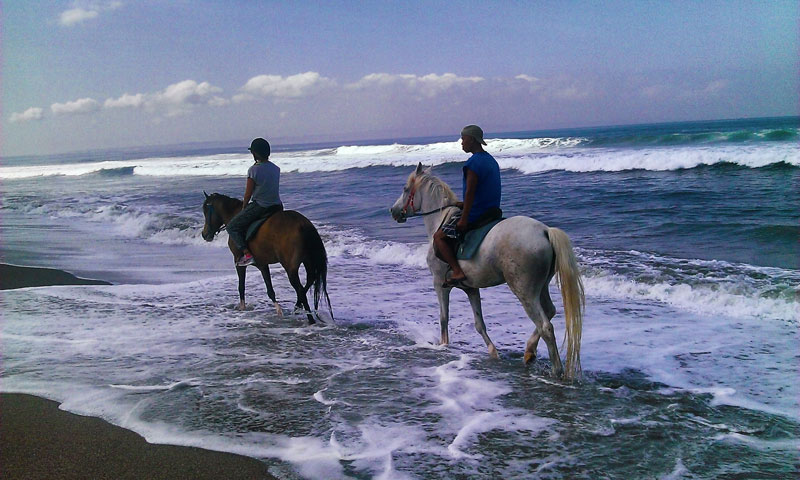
[[248, 191], [469, 198]]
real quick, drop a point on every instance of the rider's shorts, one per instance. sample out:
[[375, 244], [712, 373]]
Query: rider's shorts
[[449, 226]]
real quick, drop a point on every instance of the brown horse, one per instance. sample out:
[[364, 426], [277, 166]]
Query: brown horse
[[288, 238]]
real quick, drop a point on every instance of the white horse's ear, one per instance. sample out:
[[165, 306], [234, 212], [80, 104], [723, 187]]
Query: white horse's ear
[[419, 169]]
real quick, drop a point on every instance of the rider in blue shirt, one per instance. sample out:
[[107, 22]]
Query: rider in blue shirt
[[482, 192]]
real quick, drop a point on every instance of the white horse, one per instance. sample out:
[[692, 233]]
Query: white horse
[[520, 251]]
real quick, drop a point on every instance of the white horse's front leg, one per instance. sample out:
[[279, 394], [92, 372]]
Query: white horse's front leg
[[474, 296], [444, 309]]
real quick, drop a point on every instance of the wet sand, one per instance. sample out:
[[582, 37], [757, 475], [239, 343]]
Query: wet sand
[[39, 441], [13, 276]]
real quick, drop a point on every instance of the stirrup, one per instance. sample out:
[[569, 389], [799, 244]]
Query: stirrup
[[245, 261]]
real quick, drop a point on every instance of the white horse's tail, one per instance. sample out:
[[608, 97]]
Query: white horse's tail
[[569, 281]]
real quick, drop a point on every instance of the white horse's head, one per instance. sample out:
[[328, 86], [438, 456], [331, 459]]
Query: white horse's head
[[422, 194], [410, 200]]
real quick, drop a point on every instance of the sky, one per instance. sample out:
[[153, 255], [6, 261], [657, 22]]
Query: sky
[[87, 75]]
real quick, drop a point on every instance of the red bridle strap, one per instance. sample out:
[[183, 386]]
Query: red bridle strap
[[410, 200]]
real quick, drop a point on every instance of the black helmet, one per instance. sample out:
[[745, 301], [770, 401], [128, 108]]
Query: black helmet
[[260, 146]]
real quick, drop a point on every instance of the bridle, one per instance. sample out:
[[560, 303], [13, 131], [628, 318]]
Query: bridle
[[222, 226], [410, 203]]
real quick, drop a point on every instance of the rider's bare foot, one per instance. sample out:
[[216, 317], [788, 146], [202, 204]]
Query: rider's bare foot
[[455, 281]]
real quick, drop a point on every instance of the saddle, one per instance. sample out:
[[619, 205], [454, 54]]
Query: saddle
[[472, 240], [253, 228], [467, 244]]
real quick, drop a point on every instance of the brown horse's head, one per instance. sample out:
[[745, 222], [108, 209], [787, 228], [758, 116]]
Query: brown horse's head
[[212, 212]]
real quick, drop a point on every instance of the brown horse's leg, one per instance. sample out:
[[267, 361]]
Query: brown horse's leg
[[270, 291], [302, 301], [241, 272]]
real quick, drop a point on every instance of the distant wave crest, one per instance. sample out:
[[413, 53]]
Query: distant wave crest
[[533, 155]]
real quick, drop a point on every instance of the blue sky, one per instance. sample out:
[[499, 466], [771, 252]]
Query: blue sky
[[83, 75]]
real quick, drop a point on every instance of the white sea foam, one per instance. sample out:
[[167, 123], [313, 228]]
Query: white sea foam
[[526, 155], [156, 388], [725, 300], [654, 159], [680, 471], [710, 287], [763, 445], [472, 404]]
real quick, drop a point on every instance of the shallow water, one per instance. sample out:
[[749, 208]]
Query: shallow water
[[689, 344]]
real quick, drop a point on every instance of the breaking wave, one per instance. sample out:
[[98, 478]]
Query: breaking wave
[[534, 155]]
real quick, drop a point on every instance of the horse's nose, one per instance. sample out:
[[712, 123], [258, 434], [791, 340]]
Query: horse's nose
[[397, 214]]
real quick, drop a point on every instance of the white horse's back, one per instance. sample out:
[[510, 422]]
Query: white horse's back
[[515, 245]]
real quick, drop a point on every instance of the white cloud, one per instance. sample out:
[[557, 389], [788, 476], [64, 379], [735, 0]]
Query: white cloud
[[695, 93], [186, 92], [176, 99], [293, 86], [427, 85], [218, 101], [33, 113], [74, 16], [79, 14], [125, 101], [654, 91], [527, 78], [81, 106], [715, 87], [179, 98], [571, 92]]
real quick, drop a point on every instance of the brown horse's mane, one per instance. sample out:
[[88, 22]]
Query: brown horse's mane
[[229, 203]]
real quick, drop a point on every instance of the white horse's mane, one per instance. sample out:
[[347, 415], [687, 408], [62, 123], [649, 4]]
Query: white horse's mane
[[433, 184]]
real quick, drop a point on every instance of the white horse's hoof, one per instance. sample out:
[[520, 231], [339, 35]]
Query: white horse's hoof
[[278, 310], [493, 352], [528, 358]]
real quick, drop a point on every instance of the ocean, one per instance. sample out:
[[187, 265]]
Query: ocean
[[687, 238]]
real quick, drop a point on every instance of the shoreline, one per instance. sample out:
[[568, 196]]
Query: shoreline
[[39, 441], [16, 276]]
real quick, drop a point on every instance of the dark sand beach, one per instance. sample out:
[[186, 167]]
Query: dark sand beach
[[13, 276], [39, 441]]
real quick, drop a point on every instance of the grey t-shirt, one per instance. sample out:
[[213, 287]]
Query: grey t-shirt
[[267, 176]]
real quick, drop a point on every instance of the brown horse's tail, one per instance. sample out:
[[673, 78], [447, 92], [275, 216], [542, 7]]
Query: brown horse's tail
[[316, 264]]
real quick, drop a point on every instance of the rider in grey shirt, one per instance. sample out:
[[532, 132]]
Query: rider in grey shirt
[[263, 183]]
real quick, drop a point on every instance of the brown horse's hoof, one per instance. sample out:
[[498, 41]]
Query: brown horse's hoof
[[493, 352]]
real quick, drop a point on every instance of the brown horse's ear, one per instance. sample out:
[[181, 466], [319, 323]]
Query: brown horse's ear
[[204, 193], [419, 168]]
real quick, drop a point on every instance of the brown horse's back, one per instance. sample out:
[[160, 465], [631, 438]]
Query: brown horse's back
[[281, 239], [291, 239]]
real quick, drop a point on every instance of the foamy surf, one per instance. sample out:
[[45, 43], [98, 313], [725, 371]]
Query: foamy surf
[[526, 155]]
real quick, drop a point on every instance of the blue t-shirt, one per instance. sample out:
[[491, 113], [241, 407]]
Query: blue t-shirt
[[487, 193], [267, 176]]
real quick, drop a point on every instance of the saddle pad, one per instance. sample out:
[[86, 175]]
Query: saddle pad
[[473, 239], [253, 228]]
